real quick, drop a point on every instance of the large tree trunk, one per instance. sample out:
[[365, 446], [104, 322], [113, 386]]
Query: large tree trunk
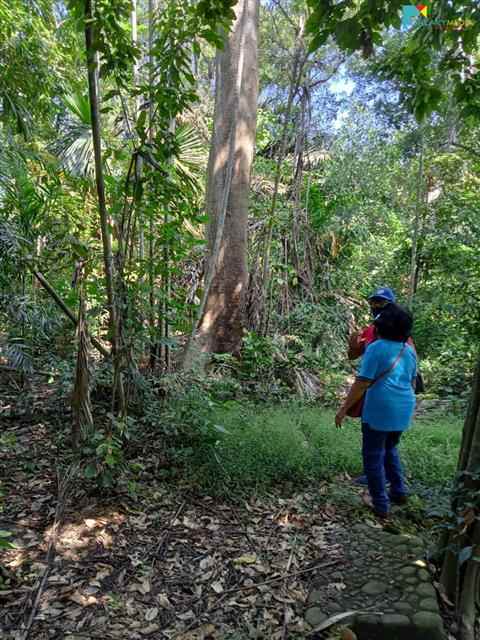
[[220, 319]]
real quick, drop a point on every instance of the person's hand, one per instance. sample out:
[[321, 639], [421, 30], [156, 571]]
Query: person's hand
[[340, 417], [353, 340]]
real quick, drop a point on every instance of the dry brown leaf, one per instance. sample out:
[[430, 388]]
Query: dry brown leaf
[[200, 633], [283, 599], [163, 601], [217, 586], [82, 599], [145, 587], [441, 592], [190, 524], [152, 628], [247, 558], [188, 615], [207, 563], [151, 614]]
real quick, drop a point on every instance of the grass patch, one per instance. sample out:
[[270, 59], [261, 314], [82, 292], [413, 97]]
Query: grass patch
[[263, 446]]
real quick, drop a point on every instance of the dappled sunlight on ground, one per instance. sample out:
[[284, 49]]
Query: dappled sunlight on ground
[[177, 564], [89, 533]]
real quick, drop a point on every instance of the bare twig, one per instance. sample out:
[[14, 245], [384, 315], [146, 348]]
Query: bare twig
[[286, 576], [286, 16], [340, 616], [464, 147], [225, 594], [64, 485], [60, 303], [285, 583], [166, 533]]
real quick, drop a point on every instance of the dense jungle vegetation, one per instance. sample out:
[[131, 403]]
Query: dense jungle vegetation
[[196, 199]]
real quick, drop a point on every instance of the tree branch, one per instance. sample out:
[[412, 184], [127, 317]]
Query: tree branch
[[465, 148]]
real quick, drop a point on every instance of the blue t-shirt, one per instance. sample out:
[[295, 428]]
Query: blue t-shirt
[[390, 402]]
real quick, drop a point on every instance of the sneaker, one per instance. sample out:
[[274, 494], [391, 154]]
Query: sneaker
[[400, 500], [381, 515]]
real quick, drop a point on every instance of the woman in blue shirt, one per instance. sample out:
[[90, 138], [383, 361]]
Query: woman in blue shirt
[[387, 378]]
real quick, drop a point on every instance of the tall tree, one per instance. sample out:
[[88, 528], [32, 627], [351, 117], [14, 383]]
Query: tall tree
[[220, 317]]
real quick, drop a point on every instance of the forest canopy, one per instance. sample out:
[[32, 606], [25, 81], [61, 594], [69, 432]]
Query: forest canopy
[[196, 201]]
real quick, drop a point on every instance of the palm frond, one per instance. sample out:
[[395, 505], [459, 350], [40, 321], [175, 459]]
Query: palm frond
[[18, 356], [79, 106], [21, 197], [75, 151], [74, 147], [190, 158]]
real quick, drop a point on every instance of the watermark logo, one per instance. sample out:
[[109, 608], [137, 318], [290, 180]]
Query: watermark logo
[[411, 12], [418, 14]]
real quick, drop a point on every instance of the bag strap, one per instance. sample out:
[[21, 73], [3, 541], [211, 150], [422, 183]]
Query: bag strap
[[392, 366]]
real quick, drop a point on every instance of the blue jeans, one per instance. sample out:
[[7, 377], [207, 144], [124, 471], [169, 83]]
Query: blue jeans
[[381, 463]]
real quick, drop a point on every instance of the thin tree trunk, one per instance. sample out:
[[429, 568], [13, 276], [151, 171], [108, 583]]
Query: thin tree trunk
[[152, 9], [81, 405], [114, 319], [136, 109], [220, 321], [416, 225], [92, 65], [299, 60], [469, 594], [167, 285]]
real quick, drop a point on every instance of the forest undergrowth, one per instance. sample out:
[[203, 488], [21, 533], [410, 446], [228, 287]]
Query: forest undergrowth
[[218, 507]]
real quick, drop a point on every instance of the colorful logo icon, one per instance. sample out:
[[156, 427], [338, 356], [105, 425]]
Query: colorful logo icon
[[411, 12]]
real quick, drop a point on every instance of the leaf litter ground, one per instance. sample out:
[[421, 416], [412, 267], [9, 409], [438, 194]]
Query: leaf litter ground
[[170, 563]]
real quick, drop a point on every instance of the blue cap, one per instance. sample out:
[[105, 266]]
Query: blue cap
[[383, 292]]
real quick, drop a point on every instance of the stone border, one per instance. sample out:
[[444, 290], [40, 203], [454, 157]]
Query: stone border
[[400, 601]]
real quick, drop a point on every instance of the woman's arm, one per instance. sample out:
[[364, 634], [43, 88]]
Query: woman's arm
[[357, 390]]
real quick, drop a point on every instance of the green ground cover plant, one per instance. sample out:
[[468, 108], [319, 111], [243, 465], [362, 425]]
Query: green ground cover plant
[[262, 446]]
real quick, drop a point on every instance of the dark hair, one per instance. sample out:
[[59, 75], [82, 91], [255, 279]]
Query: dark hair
[[394, 323]]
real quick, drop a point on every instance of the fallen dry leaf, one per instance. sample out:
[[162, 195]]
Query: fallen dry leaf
[[83, 600], [247, 558], [200, 633], [217, 586], [188, 615], [150, 629], [163, 601], [207, 563], [151, 614]]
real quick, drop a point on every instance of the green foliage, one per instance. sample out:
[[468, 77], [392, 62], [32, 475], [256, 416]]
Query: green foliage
[[431, 48], [465, 510], [4, 540], [29, 59], [74, 147], [103, 454], [262, 446]]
